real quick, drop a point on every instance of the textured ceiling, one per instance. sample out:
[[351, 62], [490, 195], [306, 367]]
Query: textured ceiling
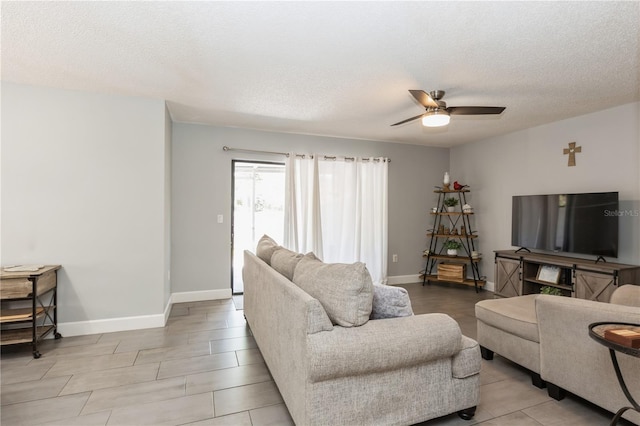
[[335, 68]]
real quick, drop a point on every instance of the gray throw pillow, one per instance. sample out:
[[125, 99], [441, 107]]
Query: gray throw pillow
[[390, 302], [266, 247], [285, 261], [344, 290]]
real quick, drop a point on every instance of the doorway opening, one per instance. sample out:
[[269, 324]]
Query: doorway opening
[[257, 209]]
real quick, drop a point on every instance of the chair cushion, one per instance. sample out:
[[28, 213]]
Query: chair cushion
[[515, 315], [344, 290], [285, 262], [390, 302], [628, 295], [265, 248]]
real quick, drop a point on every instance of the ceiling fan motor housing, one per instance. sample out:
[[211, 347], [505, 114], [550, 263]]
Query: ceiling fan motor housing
[[437, 94]]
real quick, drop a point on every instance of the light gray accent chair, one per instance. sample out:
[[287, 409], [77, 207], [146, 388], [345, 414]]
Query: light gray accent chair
[[561, 355], [394, 371]]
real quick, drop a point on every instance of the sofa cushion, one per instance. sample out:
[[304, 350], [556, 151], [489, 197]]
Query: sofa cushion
[[515, 315], [344, 290], [285, 262], [266, 247], [390, 302]]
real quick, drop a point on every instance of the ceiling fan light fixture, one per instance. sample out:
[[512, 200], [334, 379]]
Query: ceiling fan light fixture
[[436, 118]]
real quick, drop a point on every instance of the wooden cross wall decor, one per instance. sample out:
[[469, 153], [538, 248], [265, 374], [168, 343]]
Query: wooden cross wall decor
[[572, 153]]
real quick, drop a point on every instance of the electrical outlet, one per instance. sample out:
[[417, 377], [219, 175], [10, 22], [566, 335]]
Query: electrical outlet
[[395, 258], [220, 218]]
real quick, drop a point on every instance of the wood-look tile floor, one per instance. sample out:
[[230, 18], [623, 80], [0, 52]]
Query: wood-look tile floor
[[204, 368]]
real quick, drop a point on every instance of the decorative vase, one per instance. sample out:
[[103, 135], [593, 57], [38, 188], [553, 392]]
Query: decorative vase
[[451, 209], [446, 179], [452, 252]]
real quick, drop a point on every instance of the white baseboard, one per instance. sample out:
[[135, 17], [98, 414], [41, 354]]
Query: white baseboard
[[110, 325], [408, 279], [167, 309], [404, 279], [198, 296], [80, 328]]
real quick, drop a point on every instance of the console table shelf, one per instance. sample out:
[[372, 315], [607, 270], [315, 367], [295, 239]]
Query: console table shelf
[[20, 314], [24, 335], [544, 283]]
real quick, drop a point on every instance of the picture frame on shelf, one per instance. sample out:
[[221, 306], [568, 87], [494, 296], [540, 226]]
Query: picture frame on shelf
[[548, 274]]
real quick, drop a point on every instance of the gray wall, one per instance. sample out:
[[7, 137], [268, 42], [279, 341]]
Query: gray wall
[[201, 189], [83, 185], [532, 162]]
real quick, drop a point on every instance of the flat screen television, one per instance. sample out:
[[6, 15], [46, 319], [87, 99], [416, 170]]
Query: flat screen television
[[573, 223]]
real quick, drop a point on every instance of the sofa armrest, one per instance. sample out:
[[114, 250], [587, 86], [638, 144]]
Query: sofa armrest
[[382, 345], [466, 363]]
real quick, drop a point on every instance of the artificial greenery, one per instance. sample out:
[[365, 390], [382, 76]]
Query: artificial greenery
[[554, 291], [452, 245], [451, 202]]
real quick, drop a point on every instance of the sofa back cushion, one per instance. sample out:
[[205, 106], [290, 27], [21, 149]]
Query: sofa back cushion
[[390, 302], [266, 247], [344, 290], [285, 262]]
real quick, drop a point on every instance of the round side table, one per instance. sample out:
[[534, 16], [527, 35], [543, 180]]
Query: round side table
[[596, 332]]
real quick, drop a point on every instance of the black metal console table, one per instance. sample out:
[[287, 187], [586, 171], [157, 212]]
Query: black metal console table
[[596, 332]]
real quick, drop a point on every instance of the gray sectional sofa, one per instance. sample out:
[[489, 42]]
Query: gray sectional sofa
[[549, 335], [393, 371]]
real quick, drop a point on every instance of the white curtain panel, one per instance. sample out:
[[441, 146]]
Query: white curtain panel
[[337, 208], [373, 185], [302, 224], [339, 203]]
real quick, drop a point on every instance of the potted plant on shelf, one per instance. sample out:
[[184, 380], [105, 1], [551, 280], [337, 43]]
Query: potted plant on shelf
[[555, 291], [452, 247], [450, 203]]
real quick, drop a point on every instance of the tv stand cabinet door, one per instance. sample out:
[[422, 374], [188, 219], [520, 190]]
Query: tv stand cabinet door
[[594, 286], [508, 277]]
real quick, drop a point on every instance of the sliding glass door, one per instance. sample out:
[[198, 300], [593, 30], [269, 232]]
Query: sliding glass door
[[258, 209]]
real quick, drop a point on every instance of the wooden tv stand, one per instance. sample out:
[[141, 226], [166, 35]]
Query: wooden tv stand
[[520, 272]]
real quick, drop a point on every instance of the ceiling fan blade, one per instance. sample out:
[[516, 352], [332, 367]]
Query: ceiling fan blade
[[408, 120], [475, 110], [424, 98]]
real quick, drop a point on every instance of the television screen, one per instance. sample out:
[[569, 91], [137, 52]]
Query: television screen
[[573, 223]]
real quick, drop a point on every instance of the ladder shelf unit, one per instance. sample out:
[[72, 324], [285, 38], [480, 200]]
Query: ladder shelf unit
[[452, 226]]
